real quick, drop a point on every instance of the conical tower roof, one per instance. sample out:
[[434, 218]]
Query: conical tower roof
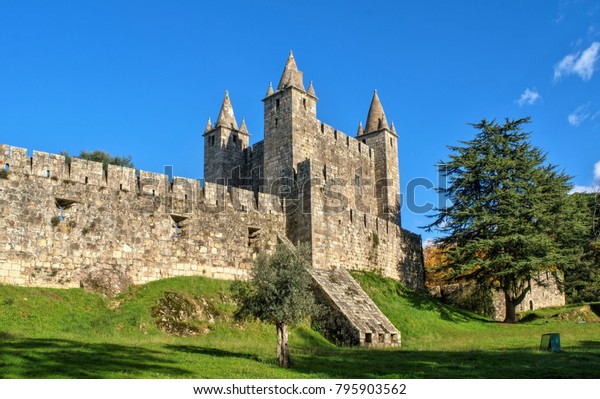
[[270, 89], [311, 90], [226, 117], [360, 129], [243, 127], [291, 76], [376, 118], [209, 126]]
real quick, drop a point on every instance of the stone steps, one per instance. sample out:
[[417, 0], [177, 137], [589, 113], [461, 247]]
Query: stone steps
[[348, 316]]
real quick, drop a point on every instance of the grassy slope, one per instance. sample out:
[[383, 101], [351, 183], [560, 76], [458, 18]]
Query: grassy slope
[[46, 333]]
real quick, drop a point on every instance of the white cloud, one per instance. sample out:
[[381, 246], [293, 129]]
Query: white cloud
[[582, 189], [529, 97], [580, 114], [581, 63], [594, 188], [429, 242]]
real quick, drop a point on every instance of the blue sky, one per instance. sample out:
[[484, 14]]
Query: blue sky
[[141, 78]]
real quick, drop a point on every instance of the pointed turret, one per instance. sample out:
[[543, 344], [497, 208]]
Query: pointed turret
[[376, 117], [311, 90], [392, 127], [270, 90], [209, 126], [244, 128], [291, 76], [360, 129], [226, 117]]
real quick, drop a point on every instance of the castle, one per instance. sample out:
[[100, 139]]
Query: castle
[[78, 224]]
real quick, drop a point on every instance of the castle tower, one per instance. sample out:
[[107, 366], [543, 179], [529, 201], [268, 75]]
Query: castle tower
[[289, 112], [384, 140], [223, 147]]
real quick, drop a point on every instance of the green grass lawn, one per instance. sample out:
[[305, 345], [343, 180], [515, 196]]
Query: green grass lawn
[[48, 333]]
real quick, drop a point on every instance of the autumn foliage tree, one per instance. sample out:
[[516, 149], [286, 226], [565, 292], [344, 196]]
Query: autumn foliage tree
[[436, 265]]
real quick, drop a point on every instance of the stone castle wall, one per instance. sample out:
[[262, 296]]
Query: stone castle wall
[[142, 224], [545, 292], [344, 237], [139, 223]]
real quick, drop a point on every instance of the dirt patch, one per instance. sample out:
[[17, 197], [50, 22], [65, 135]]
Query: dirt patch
[[587, 314], [105, 279], [180, 315]]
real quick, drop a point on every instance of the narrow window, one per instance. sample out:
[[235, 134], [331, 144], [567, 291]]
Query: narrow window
[[322, 128], [335, 134], [351, 216], [276, 120], [277, 105], [325, 171], [212, 140], [177, 227], [253, 235], [86, 180], [359, 147], [357, 181], [6, 167], [348, 141], [121, 186], [153, 193], [47, 173], [391, 142], [365, 219], [304, 103], [234, 137], [368, 338]]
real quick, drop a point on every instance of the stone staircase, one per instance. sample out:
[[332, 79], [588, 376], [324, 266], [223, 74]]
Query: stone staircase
[[347, 315]]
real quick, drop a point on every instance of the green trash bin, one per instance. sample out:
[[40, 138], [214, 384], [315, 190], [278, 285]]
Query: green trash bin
[[550, 342]]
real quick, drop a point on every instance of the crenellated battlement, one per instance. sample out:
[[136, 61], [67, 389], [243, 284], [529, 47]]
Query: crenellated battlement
[[338, 138], [53, 169]]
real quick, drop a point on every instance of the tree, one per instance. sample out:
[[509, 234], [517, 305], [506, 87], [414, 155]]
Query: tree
[[582, 278], [279, 293], [435, 262], [507, 213], [101, 156]]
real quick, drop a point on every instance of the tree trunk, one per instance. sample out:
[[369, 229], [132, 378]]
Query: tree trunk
[[283, 353], [511, 309]]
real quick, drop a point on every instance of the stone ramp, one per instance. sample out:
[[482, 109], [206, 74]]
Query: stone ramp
[[348, 316]]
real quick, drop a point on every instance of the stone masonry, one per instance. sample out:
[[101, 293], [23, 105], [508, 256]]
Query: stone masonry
[[64, 225]]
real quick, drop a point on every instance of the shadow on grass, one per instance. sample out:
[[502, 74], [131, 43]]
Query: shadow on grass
[[511, 363], [590, 344], [59, 358], [211, 352], [446, 312], [416, 299]]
